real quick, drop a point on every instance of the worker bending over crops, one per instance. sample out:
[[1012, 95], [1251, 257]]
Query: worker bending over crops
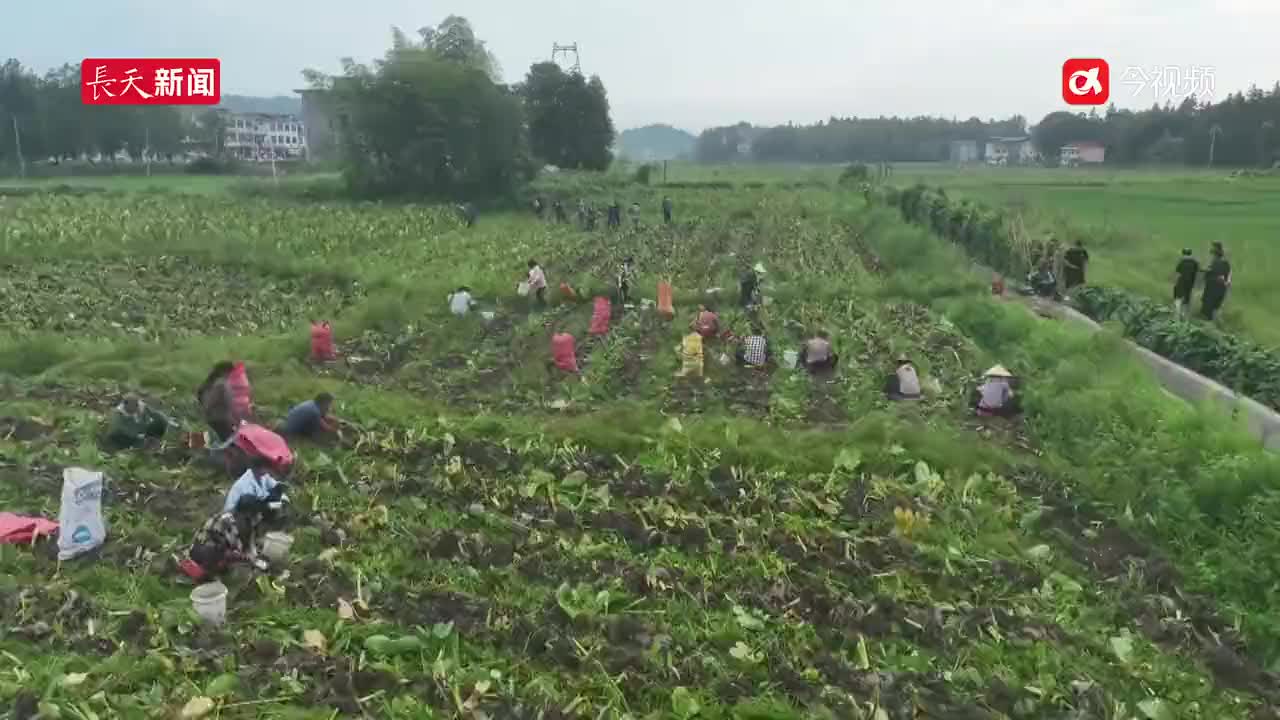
[[229, 536], [215, 398], [904, 382], [461, 301], [691, 357], [754, 349], [133, 423], [996, 396], [706, 323], [816, 355], [749, 286], [309, 418], [537, 280]]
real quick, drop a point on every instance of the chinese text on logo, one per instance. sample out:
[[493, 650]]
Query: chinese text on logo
[[151, 81], [1086, 81]]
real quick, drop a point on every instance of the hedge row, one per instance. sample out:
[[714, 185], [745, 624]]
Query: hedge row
[[996, 239]]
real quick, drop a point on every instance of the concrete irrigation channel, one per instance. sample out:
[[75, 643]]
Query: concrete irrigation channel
[[1262, 422]]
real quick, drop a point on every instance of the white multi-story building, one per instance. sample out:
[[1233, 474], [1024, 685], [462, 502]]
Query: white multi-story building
[[261, 136]]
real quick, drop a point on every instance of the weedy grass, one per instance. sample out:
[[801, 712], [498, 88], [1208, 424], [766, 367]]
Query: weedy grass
[[1136, 223], [493, 538]]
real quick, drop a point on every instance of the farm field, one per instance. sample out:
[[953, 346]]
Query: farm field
[[1136, 223], [619, 543]]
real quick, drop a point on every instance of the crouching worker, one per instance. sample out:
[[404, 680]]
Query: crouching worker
[[309, 418], [691, 356], [816, 355], [904, 382], [754, 350], [706, 323], [996, 397], [461, 302], [228, 537], [259, 483], [133, 423]]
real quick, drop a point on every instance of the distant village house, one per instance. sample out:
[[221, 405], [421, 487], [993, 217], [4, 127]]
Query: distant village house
[[1082, 153], [1010, 151]]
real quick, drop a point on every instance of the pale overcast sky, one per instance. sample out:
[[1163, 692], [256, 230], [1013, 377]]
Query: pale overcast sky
[[700, 63]]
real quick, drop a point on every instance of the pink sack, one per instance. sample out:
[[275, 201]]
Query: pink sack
[[257, 441], [322, 342], [241, 393], [18, 529], [564, 352], [600, 316]]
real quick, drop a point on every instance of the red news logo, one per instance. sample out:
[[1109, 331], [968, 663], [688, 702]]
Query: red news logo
[[151, 81], [1086, 81]]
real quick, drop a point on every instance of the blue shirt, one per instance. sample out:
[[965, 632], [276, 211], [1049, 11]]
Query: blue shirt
[[251, 485], [303, 419]]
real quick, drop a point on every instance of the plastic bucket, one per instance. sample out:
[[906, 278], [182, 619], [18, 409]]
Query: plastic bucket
[[488, 316], [791, 358], [275, 545], [210, 602]]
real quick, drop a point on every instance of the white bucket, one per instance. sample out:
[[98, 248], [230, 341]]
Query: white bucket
[[790, 359], [210, 602], [488, 316], [275, 545]]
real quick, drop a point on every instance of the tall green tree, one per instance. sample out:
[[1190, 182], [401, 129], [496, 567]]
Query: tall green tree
[[427, 120], [568, 115]]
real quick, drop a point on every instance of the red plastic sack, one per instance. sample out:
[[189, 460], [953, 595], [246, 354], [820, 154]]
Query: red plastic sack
[[241, 393], [567, 291], [665, 307], [600, 316], [564, 352], [257, 441], [322, 342], [18, 529]]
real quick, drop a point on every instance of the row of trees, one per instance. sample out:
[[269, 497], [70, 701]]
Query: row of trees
[[43, 115], [1239, 131], [842, 140], [431, 118]]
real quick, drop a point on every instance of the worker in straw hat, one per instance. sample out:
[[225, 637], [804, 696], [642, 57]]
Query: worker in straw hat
[[904, 382], [750, 286], [995, 395]]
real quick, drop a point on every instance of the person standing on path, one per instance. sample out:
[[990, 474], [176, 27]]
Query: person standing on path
[[635, 215], [1184, 281], [1217, 279], [667, 207], [1074, 262], [615, 214]]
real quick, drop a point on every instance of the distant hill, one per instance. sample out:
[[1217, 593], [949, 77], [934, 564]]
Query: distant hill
[[278, 105], [655, 142]]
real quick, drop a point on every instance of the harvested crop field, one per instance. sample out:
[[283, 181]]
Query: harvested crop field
[[490, 537]]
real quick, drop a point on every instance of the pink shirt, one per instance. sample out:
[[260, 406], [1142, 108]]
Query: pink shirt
[[537, 279]]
